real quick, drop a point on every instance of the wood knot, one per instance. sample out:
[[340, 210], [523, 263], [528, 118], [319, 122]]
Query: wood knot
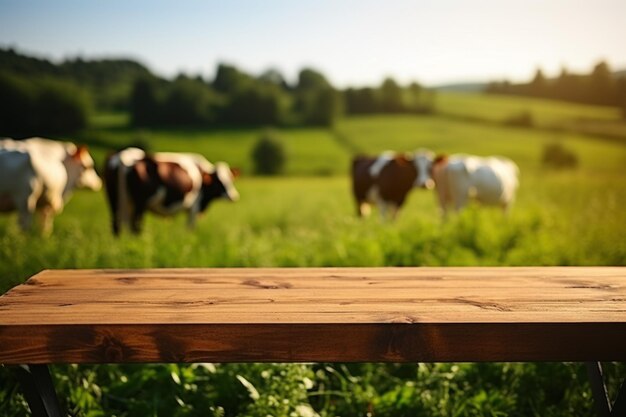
[[113, 350], [404, 319], [267, 285]]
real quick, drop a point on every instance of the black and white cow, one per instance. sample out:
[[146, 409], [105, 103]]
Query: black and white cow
[[163, 183]]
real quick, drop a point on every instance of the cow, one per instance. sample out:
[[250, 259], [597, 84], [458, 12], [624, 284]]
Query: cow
[[458, 178], [163, 183], [386, 181], [39, 174]]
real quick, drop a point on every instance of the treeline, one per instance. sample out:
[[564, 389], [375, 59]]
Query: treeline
[[41, 97], [600, 87], [390, 98], [237, 98], [40, 106], [108, 82]]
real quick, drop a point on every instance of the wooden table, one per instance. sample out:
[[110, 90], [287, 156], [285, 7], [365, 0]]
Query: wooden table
[[316, 314]]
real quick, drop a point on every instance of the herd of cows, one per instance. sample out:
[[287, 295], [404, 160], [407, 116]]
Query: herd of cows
[[387, 179], [39, 175]]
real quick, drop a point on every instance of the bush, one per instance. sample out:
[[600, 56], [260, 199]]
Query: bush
[[268, 155], [523, 119], [555, 155]]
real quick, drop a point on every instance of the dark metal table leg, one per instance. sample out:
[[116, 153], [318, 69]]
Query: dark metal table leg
[[38, 390], [619, 406], [600, 395]]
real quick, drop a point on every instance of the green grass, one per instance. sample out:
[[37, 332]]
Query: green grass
[[499, 108], [309, 151], [602, 121], [406, 133], [569, 217]]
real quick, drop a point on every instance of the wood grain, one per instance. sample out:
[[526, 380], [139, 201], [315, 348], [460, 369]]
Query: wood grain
[[316, 314]]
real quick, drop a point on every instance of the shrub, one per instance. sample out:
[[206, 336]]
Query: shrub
[[555, 155], [522, 119], [268, 155]]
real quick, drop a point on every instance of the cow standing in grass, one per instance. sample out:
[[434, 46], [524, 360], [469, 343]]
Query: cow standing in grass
[[40, 175], [459, 178], [163, 183], [387, 180]]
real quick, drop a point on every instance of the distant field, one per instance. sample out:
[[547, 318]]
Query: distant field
[[309, 151], [313, 151], [549, 114], [500, 107]]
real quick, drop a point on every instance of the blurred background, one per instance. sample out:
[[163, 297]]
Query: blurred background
[[289, 92]]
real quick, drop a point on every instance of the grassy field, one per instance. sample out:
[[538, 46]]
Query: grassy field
[[603, 121], [501, 107], [307, 218]]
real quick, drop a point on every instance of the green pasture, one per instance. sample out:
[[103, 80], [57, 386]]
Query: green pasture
[[307, 218], [321, 152], [499, 108], [603, 121]]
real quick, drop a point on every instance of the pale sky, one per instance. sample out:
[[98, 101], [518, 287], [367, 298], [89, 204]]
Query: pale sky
[[351, 42]]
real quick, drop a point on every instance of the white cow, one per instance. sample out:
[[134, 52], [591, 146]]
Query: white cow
[[41, 174], [491, 180]]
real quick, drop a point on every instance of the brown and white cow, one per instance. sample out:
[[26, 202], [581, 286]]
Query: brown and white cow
[[163, 183], [385, 181], [41, 174]]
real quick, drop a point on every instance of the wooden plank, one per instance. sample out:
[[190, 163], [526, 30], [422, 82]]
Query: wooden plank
[[311, 314], [270, 278], [313, 343]]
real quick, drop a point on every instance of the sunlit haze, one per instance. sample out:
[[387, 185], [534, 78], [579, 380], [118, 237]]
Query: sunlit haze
[[352, 42]]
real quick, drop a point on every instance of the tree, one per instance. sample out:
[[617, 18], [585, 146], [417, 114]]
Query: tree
[[310, 79], [326, 108], [61, 107], [274, 77], [145, 105], [391, 97], [188, 102], [17, 107], [229, 80], [269, 155], [601, 85], [621, 94], [316, 101], [361, 101], [260, 104], [538, 86], [49, 106]]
